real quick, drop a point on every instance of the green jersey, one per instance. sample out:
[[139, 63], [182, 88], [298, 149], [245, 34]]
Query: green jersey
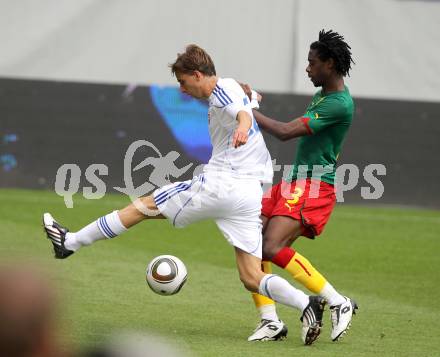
[[328, 118]]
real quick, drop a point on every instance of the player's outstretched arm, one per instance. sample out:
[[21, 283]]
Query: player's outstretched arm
[[281, 130]]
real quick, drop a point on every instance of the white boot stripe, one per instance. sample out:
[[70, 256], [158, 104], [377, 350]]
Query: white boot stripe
[[310, 316]]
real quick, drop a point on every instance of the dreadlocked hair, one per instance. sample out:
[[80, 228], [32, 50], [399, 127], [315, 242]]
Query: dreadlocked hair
[[332, 45]]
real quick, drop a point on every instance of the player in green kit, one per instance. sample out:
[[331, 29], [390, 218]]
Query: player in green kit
[[301, 205]]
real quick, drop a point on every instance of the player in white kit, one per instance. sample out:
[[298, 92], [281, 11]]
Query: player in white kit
[[229, 190]]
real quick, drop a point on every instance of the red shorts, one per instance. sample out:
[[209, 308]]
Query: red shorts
[[309, 201]]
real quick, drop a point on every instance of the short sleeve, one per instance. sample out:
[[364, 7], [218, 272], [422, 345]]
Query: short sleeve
[[232, 101], [328, 112]]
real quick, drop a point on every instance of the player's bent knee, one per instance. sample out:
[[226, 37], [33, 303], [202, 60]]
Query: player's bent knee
[[270, 248], [148, 201], [147, 207]]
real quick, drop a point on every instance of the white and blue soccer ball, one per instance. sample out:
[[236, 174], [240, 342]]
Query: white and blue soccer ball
[[166, 274]]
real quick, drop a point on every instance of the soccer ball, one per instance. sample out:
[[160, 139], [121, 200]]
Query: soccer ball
[[166, 274]]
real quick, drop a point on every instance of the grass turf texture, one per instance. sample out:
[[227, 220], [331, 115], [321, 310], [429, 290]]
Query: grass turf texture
[[386, 258]]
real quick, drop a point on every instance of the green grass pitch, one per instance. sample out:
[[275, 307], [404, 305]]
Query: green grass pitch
[[385, 258]]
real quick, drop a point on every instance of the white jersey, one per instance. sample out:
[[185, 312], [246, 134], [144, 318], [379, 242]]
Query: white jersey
[[251, 160]]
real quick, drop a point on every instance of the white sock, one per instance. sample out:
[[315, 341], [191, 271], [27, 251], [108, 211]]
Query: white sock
[[329, 293], [278, 289], [268, 312], [108, 226]]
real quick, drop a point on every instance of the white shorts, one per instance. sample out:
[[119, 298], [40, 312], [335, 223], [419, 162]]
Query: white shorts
[[234, 204]]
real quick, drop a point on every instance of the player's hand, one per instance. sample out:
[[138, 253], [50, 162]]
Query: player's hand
[[259, 97], [247, 89], [240, 138]]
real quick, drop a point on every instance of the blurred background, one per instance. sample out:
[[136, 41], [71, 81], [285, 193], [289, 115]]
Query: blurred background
[[80, 81], [394, 42]]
